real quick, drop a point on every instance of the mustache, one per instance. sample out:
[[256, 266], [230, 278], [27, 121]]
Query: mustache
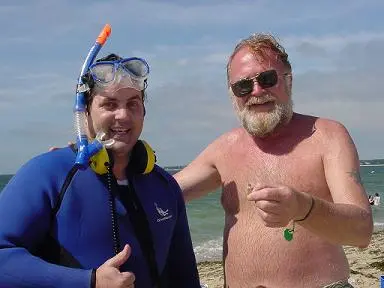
[[260, 100]]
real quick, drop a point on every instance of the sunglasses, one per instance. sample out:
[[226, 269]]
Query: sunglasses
[[266, 79]]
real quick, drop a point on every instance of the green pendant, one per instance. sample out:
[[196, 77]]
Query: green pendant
[[288, 234]]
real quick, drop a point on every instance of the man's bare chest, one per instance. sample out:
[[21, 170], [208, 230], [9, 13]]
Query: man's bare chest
[[301, 170]]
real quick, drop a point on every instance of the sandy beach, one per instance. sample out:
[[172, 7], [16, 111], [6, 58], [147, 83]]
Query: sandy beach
[[367, 265]]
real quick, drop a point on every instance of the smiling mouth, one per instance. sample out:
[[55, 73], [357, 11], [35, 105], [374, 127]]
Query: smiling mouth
[[264, 103], [119, 131], [261, 107]]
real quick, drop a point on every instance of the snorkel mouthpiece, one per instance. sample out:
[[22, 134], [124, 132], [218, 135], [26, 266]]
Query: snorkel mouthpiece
[[85, 150]]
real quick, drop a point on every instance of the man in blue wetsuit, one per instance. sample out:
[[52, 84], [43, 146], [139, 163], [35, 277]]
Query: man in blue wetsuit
[[114, 226]]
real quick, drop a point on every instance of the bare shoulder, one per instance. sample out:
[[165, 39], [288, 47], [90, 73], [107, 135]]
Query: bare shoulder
[[333, 134], [336, 141], [226, 140], [329, 136], [331, 128]]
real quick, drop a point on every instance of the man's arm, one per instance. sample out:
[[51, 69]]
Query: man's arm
[[25, 207], [347, 221], [200, 177]]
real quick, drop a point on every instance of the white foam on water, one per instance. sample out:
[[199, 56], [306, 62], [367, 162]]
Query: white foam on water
[[210, 250], [378, 226]]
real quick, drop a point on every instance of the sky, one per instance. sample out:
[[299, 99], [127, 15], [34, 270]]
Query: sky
[[336, 49]]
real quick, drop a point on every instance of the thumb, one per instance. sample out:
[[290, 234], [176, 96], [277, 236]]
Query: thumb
[[252, 190], [258, 191], [120, 258], [253, 196]]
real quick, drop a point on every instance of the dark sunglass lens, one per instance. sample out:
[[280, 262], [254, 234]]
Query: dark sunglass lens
[[267, 79], [242, 87]]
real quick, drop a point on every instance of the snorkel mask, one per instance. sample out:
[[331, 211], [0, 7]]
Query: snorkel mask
[[108, 76], [102, 76]]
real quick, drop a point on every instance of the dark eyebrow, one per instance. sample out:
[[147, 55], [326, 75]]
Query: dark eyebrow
[[111, 99], [136, 97], [106, 98]]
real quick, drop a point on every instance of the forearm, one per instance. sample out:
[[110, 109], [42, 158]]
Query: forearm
[[344, 224], [18, 268]]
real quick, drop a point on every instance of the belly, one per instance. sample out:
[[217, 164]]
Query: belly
[[257, 256]]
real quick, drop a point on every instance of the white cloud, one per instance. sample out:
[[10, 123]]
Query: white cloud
[[332, 42]]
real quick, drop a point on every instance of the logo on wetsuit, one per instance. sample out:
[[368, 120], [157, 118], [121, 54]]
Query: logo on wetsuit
[[163, 213]]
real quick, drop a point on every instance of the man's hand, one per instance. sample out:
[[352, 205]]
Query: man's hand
[[278, 205], [109, 275]]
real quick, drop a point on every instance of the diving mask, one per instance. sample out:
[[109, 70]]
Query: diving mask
[[129, 72]]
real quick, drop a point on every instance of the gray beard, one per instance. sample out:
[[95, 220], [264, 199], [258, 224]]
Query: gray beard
[[263, 124]]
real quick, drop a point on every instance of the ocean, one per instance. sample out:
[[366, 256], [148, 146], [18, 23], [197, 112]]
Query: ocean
[[206, 216]]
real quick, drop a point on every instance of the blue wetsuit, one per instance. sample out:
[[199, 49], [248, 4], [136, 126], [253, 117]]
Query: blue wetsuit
[[83, 226]]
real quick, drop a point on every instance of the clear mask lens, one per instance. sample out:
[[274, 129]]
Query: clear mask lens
[[103, 72], [131, 72], [136, 67]]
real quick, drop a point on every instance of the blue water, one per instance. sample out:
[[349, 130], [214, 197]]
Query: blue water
[[206, 217]]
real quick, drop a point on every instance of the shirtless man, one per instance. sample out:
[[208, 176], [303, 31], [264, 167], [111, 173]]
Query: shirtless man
[[281, 169]]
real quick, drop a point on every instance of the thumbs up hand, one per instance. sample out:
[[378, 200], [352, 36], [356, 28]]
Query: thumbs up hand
[[109, 275]]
